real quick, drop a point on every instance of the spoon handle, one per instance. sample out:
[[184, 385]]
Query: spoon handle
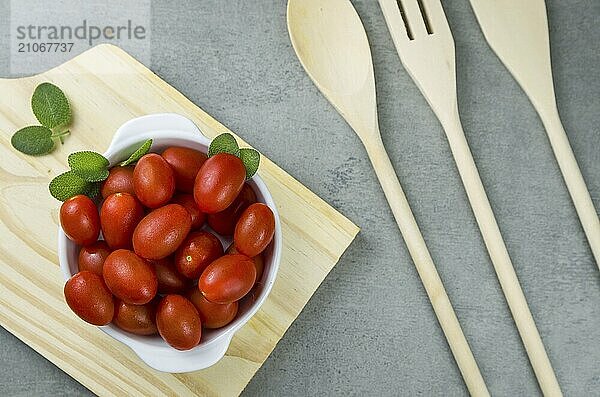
[[425, 267], [573, 178], [500, 257]]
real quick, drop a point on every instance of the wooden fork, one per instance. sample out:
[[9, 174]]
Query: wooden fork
[[425, 45], [517, 31]]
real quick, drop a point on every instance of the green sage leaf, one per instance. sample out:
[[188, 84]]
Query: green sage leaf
[[135, 156], [34, 140], [67, 185], [91, 166], [251, 160], [224, 143], [50, 106]]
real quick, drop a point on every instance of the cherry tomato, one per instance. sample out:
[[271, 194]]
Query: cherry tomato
[[218, 182], [224, 222], [137, 319], [227, 279], [254, 230], [259, 261], [178, 322], [161, 231], [119, 215], [185, 163], [153, 180], [79, 220], [212, 315], [197, 252], [129, 277], [87, 295], [92, 257], [170, 281], [120, 180], [187, 201]]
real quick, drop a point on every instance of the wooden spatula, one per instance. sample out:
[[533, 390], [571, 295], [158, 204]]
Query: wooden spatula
[[332, 45], [517, 31], [425, 45]]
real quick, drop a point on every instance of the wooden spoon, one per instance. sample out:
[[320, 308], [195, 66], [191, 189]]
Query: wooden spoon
[[332, 46], [517, 31]]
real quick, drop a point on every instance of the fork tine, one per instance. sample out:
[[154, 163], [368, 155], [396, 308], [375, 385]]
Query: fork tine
[[414, 17], [395, 22], [403, 14], [435, 13]]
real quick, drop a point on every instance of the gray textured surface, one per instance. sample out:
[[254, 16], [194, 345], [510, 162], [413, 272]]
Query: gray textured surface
[[369, 329]]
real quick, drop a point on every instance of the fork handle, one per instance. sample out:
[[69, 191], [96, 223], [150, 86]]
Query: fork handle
[[425, 267], [573, 179], [499, 256]]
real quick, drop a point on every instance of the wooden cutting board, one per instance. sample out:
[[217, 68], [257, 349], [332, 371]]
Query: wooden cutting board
[[107, 87]]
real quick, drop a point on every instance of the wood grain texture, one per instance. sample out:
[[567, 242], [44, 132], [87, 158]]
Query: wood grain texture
[[107, 87]]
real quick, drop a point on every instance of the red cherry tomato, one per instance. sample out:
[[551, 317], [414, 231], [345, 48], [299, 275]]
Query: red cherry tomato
[[185, 163], [197, 252], [178, 322], [227, 279], [170, 281], [87, 295], [212, 315], [218, 182], [92, 257], [259, 261], [254, 230], [224, 222], [161, 231], [137, 319], [120, 180], [153, 180], [129, 277], [119, 215], [187, 201], [79, 220]]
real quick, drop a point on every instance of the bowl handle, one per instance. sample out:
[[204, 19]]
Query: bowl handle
[[152, 123], [175, 361]]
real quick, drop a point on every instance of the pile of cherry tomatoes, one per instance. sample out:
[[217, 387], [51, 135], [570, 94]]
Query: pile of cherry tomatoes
[[158, 268]]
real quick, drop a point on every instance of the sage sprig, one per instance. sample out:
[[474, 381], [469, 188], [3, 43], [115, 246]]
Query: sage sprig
[[226, 143], [51, 107], [88, 170]]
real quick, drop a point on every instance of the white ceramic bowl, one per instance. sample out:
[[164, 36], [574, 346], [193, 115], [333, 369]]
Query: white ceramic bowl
[[174, 130]]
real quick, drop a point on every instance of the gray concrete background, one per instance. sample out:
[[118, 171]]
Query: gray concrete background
[[369, 329]]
